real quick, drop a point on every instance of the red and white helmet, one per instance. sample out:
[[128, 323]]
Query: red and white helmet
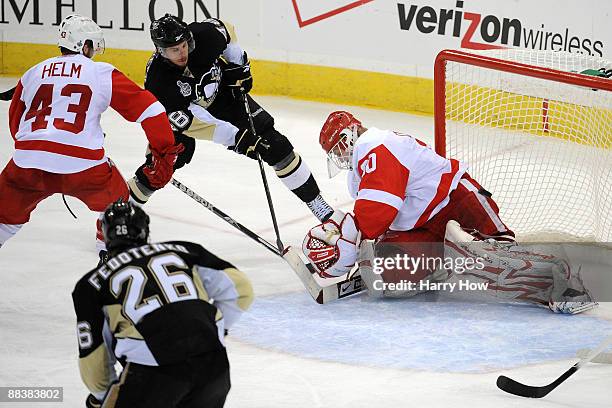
[[337, 138]]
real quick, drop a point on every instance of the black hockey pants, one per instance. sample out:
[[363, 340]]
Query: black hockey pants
[[200, 382]]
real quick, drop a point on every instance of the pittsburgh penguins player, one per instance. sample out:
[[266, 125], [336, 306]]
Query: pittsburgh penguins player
[[160, 310], [200, 74]]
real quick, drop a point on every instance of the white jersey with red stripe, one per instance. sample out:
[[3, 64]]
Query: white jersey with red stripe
[[399, 182], [55, 113]]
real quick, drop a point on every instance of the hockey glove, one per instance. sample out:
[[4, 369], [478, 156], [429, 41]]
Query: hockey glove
[[186, 155], [159, 172], [92, 402], [249, 144], [332, 246], [238, 78]]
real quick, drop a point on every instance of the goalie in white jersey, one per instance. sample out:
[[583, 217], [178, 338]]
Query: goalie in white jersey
[[407, 196], [54, 118]]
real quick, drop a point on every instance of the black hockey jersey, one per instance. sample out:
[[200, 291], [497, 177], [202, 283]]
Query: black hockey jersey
[[156, 304], [177, 88]]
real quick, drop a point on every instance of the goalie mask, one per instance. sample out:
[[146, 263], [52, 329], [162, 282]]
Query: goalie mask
[[124, 226], [337, 138], [74, 30]]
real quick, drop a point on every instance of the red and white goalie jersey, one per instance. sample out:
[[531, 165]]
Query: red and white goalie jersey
[[54, 116], [398, 182]]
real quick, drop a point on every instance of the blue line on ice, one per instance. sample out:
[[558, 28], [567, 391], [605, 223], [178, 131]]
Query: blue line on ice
[[417, 333]]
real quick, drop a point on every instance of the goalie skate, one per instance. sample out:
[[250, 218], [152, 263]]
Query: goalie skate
[[571, 307]]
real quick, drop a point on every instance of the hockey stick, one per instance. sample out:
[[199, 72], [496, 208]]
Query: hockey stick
[[305, 272], [279, 243], [7, 95], [602, 358], [195, 196], [514, 387]]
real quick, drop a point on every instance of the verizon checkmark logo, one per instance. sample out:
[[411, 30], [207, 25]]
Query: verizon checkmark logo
[[307, 7]]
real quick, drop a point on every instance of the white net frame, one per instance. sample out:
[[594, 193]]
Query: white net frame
[[536, 133]]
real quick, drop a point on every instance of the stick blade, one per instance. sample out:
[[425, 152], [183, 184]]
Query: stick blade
[[516, 388], [305, 275], [326, 292], [601, 358]]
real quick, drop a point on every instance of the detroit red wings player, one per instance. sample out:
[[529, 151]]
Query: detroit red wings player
[[405, 193], [54, 118], [403, 190]]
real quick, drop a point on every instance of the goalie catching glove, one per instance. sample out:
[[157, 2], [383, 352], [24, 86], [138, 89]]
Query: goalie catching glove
[[159, 172], [332, 246]]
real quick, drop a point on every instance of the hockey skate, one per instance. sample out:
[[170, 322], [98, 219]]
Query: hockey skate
[[571, 307], [581, 301], [320, 208]]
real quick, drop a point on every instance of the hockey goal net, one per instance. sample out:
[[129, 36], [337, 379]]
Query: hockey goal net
[[536, 133]]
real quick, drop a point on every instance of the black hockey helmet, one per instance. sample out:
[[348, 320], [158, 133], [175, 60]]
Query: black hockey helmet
[[124, 225], [169, 31]]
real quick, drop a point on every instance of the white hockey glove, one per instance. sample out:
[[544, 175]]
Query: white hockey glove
[[332, 247]]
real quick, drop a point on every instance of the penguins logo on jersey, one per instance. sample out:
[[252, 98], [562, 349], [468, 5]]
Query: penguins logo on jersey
[[207, 88], [184, 88]]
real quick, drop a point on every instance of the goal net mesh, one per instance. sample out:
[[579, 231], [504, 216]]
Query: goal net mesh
[[542, 147]]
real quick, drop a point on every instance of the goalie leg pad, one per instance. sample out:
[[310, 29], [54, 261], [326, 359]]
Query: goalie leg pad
[[518, 272], [509, 275]]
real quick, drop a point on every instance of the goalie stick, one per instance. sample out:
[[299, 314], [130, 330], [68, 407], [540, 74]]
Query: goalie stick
[[514, 387], [305, 271]]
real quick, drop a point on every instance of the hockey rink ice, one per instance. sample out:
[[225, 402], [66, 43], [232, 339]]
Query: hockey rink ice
[[288, 351]]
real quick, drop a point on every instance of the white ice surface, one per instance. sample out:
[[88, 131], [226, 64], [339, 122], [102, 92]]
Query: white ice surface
[[39, 267]]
